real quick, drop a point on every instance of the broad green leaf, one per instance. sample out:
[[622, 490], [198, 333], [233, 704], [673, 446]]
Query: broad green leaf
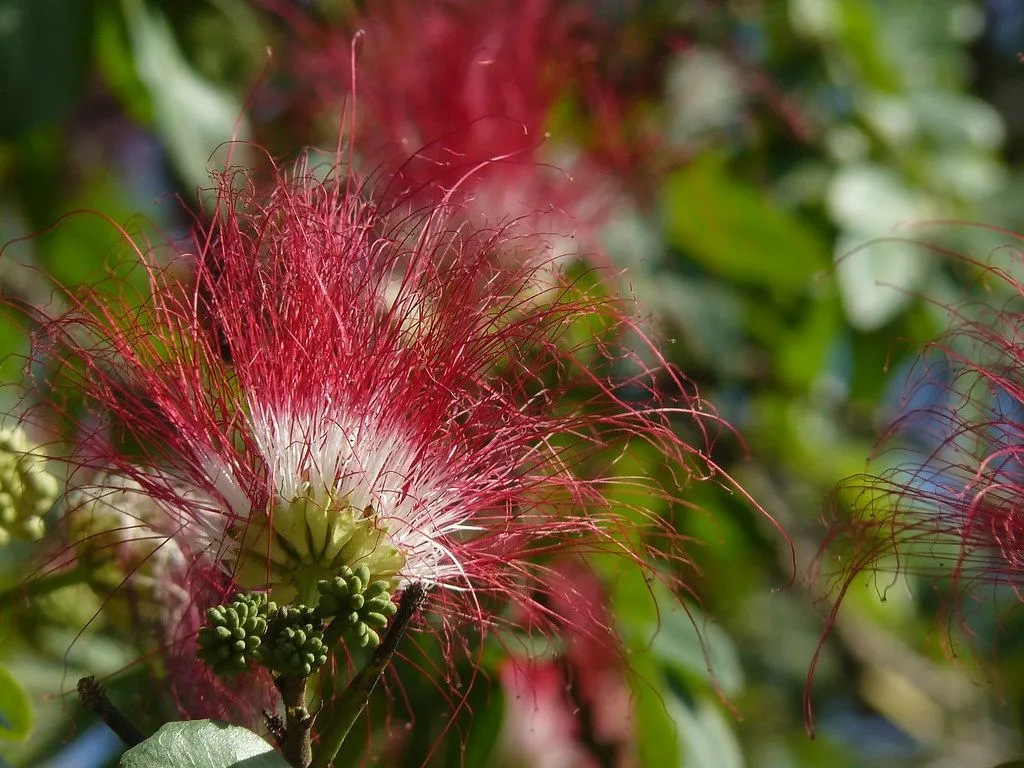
[[487, 716], [680, 637], [15, 708], [203, 744], [656, 732], [734, 230]]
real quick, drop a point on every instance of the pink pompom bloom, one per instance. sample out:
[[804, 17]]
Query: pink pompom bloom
[[949, 504], [345, 385], [453, 89]]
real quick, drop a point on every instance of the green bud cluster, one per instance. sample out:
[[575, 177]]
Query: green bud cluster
[[27, 489], [290, 640], [362, 606], [232, 638], [294, 645]]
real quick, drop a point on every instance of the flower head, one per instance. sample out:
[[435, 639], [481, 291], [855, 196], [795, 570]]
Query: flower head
[[949, 502], [347, 386], [460, 96]]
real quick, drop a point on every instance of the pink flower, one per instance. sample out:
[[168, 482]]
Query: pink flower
[[949, 505], [540, 727], [346, 384], [575, 710], [460, 96]]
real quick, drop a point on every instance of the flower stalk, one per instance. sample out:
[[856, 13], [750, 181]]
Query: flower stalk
[[295, 739], [44, 585], [356, 696]]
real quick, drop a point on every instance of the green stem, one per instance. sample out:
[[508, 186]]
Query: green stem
[[353, 701], [333, 634], [43, 586], [295, 740]]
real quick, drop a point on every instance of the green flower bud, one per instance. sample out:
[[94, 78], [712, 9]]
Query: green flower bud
[[231, 640], [362, 606], [294, 643], [115, 530]]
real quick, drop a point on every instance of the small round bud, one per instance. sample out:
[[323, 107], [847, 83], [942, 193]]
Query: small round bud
[[27, 489], [231, 640], [361, 606], [294, 643]]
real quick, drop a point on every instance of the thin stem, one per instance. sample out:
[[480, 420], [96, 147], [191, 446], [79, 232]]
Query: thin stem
[[295, 737], [333, 634], [43, 586], [94, 698], [353, 701]]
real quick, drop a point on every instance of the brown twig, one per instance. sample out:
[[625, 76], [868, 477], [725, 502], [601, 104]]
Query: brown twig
[[94, 698]]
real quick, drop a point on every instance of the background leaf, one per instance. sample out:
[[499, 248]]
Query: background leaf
[[15, 708], [736, 232], [44, 60]]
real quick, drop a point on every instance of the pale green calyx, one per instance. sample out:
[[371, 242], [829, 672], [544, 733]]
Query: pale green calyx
[[27, 489], [311, 538], [230, 641]]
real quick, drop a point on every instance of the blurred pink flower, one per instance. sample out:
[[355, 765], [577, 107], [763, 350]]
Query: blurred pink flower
[[948, 506], [458, 97], [575, 710]]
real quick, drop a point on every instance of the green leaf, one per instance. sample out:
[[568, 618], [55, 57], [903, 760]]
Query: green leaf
[[202, 744], [708, 738], [44, 60], [734, 231], [680, 637], [877, 274], [15, 708], [484, 729], [193, 116], [656, 733]]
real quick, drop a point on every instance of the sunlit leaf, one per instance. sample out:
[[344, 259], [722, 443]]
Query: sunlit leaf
[[877, 274], [193, 116], [680, 637], [708, 738], [203, 744]]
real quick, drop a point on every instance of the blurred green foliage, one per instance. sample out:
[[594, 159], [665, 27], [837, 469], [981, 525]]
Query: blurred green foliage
[[776, 238]]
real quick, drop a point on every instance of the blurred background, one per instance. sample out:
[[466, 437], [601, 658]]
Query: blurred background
[[764, 173]]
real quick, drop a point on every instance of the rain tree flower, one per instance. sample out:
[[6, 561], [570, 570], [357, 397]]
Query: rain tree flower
[[947, 506], [352, 398], [461, 96], [573, 709]]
